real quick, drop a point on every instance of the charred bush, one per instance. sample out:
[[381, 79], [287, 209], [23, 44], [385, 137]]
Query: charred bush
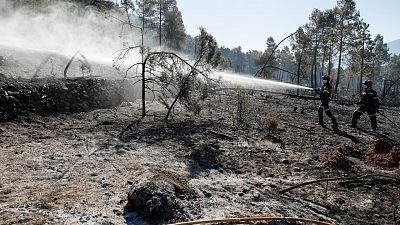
[[243, 107], [155, 197], [269, 122], [207, 155], [3, 60]]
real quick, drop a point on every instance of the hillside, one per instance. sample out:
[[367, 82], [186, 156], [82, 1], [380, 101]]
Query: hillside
[[394, 46], [31, 63], [75, 148], [109, 166]]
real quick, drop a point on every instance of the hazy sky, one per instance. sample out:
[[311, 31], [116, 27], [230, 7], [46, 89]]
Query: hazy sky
[[248, 23]]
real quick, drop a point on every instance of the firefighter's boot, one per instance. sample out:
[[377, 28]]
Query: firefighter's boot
[[335, 126], [356, 116], [321, 116], [374, 123]]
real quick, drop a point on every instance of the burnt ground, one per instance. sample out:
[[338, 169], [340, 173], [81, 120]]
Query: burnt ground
[[231, 161]]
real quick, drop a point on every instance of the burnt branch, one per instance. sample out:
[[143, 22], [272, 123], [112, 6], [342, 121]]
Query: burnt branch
[[69, 64]]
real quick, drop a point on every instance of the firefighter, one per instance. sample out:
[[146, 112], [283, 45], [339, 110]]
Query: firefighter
[[369, 103], [325, 95]]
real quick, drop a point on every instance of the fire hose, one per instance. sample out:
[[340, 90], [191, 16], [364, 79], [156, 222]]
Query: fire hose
[[252, 219], [395, 124]]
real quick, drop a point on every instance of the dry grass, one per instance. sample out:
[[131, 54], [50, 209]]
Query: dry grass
[[382, 154], [336, 160], [270, 122]]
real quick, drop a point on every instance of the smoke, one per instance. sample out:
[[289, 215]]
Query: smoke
[[66, 28]]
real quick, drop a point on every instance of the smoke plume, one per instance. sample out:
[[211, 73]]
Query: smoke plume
[[66, 28]]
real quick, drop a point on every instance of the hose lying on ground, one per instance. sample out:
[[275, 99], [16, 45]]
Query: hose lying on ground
[[252, 219]]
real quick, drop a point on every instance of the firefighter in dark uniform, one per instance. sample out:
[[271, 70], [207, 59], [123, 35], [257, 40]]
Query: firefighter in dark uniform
[[369, 103], [325, 93]]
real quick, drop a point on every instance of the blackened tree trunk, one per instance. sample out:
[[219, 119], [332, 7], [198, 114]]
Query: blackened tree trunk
[[340, 57], [298, 70]]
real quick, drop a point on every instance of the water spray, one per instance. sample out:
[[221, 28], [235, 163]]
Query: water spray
[[62, 29], [231, 80]]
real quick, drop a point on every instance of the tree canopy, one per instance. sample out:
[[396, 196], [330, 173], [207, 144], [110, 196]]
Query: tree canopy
[[335, 41]]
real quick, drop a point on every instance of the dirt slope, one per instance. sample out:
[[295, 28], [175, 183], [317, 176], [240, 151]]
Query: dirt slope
[[33, 63]]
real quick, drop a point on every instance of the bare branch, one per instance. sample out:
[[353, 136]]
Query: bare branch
[[336, 179], [69, 63]]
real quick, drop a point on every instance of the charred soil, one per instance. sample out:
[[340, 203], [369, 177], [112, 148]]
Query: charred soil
[[264, 156]]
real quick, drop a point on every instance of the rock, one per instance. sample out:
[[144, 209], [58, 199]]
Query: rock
[[256, 195], [198, 193], [117, 212], [285, 161], [153, 197], [297, 169], [207, 194], [246, 189]]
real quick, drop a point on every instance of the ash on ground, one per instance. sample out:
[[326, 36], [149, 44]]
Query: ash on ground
[[109, 166]]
